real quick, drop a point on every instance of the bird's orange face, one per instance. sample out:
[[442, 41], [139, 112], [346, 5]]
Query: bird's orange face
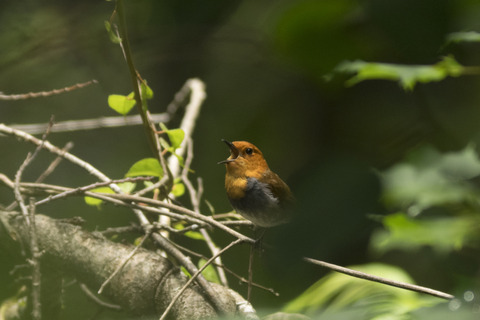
[[245, 160]]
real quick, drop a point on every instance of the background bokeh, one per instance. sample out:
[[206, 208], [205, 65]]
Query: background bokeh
[[265, 65]]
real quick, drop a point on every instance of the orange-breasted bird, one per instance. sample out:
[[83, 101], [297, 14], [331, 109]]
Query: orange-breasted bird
[[255, 191]]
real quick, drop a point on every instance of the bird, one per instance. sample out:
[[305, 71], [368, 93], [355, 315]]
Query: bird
[[255, 192]]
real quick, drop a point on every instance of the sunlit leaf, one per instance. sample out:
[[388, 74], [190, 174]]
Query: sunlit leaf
[[112, 35], [121, 104], [146, 91], [408, 76], [145, 167], [209, 273], [94, 201], [178, 189], [175, 136]]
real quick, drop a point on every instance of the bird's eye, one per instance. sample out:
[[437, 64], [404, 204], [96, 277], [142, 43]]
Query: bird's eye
[[249, 151]]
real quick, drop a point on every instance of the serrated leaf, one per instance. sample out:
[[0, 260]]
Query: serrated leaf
[[145, 167], [121, 104], [94, 201], [112, 35], [209, 273], [408, 76]]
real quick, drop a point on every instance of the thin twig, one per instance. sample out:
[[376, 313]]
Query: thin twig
[[91, 124], [83, 189], [192, 269], [369, 277], [97, 300], [29, 216], [195, 198], [120, 266], [194, 276], [31, 95], [36, 274], [54, 164]]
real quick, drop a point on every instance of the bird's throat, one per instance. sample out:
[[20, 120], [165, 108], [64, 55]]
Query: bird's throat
[[235, 186]]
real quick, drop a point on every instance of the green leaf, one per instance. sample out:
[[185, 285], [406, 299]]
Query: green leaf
[[127, 187], [470, 36], [337, 292], [185, 271], [178, 189], [190, 234], [429, 178], [147, 92], [408, 76], [121, 104], [209, 273], [145, 167], [112, 35], [94, 201], [441, 234], [176, 136]]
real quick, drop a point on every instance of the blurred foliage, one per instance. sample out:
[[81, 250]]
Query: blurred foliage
[[406, 75], [337, 293]]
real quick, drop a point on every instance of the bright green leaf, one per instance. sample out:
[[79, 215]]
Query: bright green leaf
[[178, 189], [209, 273], [185, 271], [112, 35], [176, 137], [146, 91], [145, 167], [121, 104], [406, 75], [94, 201]]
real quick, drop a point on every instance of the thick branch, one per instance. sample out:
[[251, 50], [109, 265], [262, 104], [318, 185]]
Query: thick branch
[[144, 286]]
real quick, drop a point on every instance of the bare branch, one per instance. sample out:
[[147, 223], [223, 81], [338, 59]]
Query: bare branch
[[369, 277], [90, 124], [31, 95]]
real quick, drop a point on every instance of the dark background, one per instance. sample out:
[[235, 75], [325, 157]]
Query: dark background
[[264, 64]]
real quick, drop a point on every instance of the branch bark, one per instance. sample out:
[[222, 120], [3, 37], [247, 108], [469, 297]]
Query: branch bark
[[144, 286]]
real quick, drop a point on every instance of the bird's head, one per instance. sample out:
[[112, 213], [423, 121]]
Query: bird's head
[[245, 160]]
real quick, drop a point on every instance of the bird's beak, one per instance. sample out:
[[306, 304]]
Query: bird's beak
[[233, 152]]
